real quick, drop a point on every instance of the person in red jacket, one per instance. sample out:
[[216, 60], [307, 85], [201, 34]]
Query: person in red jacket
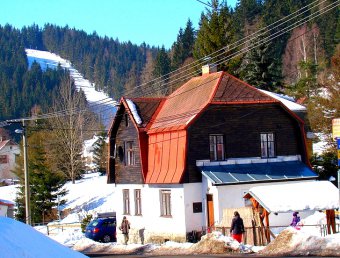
[[237, 227]]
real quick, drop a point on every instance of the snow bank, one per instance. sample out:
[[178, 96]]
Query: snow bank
[[293, 242]]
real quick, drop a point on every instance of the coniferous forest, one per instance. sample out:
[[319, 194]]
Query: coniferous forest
[[118, 67]]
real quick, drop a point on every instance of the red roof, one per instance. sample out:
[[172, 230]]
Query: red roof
[[6, 142], [183, 106], [165, 120]]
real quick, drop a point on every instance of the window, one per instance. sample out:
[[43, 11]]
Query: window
[[3, 159], [165, 203], [216, 147], [126, 120], [130, 155], [126, 201], [197, 207], [138, 202], [267, 145]]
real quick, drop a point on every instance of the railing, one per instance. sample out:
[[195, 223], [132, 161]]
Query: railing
[[261, 236], [54, 229]]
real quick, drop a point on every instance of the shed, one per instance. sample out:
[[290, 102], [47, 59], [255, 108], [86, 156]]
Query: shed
[[6, 208], [302, 196]]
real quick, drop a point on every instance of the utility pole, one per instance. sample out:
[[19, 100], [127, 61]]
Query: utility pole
[[27, 185]]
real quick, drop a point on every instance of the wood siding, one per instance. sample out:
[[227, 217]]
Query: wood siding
[[127, 174], [241, 126]]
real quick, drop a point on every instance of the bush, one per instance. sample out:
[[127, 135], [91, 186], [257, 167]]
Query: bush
[[85, 222]]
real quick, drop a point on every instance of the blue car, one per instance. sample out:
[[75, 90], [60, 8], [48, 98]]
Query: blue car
[[102, 229]]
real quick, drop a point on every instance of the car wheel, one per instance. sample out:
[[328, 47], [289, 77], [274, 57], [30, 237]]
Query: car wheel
[[106, 238]]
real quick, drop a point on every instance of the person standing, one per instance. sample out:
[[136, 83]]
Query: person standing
[[296, 219], [237, 227], [125, 227]]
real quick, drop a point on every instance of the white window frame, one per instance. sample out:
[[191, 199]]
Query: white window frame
[[129, 154], [126, 201], [138, 202], [268, 145], [165, 203]]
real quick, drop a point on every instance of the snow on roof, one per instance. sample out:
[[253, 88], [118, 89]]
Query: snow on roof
[[286, 100], [6, 202], [134, 111], [302, 196]]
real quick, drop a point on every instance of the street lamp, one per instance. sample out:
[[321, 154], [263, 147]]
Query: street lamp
[[27, 186]]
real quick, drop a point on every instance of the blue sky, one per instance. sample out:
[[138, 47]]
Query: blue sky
[[155, 22]]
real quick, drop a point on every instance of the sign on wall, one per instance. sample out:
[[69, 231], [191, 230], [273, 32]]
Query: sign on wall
[[336, 128]]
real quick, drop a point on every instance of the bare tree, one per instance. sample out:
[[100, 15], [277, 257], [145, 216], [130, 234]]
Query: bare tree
[[68, 130]]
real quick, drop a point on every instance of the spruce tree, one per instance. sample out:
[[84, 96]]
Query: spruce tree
[[100, 152], [259, 68], [161, 69], [45, 186], [216, 31]]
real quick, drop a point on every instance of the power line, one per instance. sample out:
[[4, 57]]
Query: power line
[[232, 46], [244, 50]]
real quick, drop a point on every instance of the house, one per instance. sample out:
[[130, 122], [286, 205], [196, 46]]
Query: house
[[8, 152], [178, 161], [6, 208]]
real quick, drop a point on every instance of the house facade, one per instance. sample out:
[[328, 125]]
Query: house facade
[[178, 161], [8, 152]]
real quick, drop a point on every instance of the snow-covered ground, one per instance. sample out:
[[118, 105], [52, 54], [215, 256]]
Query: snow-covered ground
[[99, 101], [92, 195]]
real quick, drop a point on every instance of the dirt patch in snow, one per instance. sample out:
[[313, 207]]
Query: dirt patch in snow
[[208, 245], [291, 242]]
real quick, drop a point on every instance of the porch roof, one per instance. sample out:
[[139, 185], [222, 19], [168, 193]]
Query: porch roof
[[257, 172], [297, 196]]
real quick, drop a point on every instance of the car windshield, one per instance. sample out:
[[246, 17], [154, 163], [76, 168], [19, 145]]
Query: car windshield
[[93, 223]]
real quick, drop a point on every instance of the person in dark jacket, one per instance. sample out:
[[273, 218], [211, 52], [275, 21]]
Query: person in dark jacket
[[125, 227], [237, 227]]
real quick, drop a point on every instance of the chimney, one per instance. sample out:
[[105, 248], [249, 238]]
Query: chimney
[[209, 68]]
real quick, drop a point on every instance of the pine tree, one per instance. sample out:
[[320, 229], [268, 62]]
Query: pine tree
[[45, 186], [161, 69], [259, 68], [100, 152], [216, 31]]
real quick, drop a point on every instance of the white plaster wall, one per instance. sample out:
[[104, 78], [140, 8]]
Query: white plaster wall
[[193, 193], [231, 196], [5, 169], [3, 210], [150, 221]]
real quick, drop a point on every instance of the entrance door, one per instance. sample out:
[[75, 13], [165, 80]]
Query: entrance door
[[210, 210]]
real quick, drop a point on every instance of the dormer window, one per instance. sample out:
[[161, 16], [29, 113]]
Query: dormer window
[[130, 154]]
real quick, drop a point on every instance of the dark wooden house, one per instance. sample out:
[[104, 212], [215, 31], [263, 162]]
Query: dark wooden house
[[198, 150]]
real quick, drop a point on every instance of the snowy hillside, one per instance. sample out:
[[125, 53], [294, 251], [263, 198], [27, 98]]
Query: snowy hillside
[[100, 102]]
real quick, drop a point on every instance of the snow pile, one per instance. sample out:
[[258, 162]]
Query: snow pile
[[20, 240], [293, 242]]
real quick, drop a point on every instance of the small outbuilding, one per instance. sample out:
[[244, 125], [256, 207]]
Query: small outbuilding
[[6, 208], [292, 197]]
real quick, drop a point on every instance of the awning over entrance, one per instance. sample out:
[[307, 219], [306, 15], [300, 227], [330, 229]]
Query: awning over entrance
[[302, 196], [257, 172]]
